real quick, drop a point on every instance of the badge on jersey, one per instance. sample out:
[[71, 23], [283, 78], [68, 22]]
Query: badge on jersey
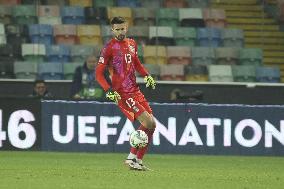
[[131, 49], [101, 60]]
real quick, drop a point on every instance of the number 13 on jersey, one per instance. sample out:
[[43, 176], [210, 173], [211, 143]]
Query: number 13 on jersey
[[128, 58]]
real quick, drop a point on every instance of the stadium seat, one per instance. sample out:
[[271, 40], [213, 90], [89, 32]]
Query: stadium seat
[[24, 14], [167, 17], [97, 15], [209, 37], [227, 55], [49, 14], [179, 55], [2, 34], [48, 10], [16, 35], [32, 2], [280, 7], [154, 70], [232, 37], [125, 12], [33, 52], [41, 33], [198, 3], [58, 53], [154, 54], [202, 56], [172, 72], [7, 68], [79, 53], [106, 33], [72, 15], [151, 4], [185, 36], [215, 18], [196, 73], [128, 3], [50, 20], [139, 33], [69, 69], [65, 34], [50, 71], [10, 2], [5, 14], [144, 16], [251, 56], [59, 3], [268, 74], [220, 73], [25, 70], [89, 34], [85, 3], [191, 17], [8, 50], [16, 30], [175, 3], [243, 73], [161, 35], [103, 3], [97, 50]]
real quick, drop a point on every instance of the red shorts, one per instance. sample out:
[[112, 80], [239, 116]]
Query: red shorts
[[133, 105]]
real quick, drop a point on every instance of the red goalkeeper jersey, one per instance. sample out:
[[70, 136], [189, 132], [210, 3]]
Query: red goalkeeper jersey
[[122, 61]]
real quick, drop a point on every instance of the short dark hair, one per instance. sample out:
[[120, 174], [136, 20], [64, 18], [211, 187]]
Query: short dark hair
[[39, 81], [117, 20]]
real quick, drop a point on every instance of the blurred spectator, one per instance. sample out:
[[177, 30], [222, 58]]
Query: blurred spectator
[[179, 96], [40, 90], [84, 84]]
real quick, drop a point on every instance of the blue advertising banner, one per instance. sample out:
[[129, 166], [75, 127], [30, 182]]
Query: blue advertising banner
[[181, 128]]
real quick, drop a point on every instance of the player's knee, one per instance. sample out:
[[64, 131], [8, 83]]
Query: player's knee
[[150, 123], [153, 123]]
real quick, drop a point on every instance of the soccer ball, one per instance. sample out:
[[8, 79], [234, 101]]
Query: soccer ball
[[138, 139]]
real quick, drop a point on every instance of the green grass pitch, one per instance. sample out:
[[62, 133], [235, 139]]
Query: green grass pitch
[[40, 170]]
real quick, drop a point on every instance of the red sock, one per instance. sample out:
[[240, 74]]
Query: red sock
[[141, 152], [133, 150]]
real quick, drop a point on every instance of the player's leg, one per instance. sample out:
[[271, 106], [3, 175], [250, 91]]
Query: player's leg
[[140, 109], [148, 126], [127, 106]]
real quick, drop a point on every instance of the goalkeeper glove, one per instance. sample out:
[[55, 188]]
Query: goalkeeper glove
[[113, 96], [150, 82]]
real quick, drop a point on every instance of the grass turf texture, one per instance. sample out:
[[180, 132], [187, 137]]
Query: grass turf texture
[[91, 170]]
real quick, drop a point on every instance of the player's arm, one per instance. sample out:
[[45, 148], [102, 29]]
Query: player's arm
[[110, 94], [100, 76], [148, 79], [139, 67]]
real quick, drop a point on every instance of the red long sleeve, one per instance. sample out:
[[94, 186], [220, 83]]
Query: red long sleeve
[[100, 76], [140, 68]]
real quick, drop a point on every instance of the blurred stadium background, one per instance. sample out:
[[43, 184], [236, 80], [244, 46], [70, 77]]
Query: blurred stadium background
[[193, 41], [230, 50]]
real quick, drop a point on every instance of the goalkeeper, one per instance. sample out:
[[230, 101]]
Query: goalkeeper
[[119, 56]]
